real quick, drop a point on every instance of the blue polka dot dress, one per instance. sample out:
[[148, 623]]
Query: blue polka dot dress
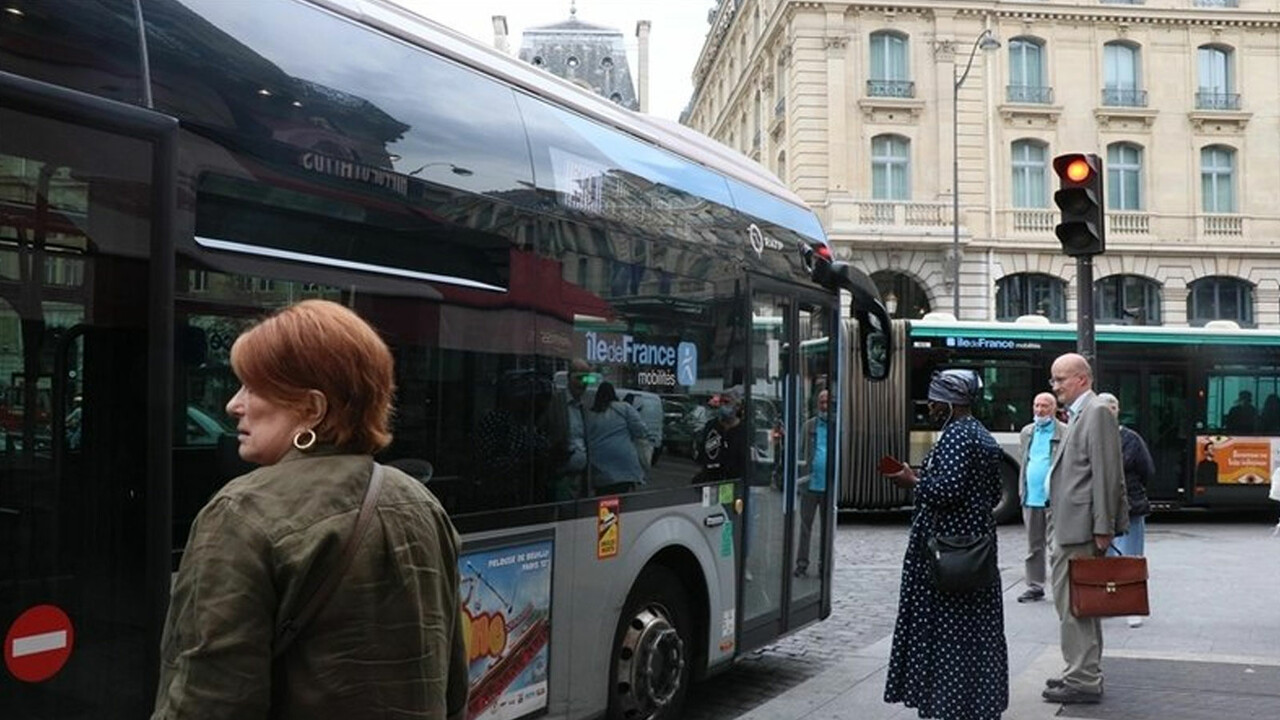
[[949, 659]]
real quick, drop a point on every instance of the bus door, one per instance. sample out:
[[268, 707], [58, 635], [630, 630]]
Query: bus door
[[1153, 401], [83, 562], [789, 366]]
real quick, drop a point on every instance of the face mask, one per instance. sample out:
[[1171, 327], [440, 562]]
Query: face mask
[[1042, 421], [728, 411], [940, 413]]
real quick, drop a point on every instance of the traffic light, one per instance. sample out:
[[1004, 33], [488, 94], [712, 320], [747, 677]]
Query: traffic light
[[1080, 198]]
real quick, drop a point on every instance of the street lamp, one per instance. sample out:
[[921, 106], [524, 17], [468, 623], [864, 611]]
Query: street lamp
[[986, 41]]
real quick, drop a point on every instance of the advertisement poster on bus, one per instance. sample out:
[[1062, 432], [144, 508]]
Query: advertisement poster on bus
[[1227, 460], [506, 598]]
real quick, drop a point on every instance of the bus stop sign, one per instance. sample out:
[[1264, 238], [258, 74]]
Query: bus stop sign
[[38, 643]]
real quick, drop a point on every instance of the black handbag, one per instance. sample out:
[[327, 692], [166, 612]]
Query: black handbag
[[962, 563]]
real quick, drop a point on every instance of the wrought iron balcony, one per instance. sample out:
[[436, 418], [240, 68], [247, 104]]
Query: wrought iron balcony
[[1208, 100], [891, 88], [1124, 97], [1029, 94]]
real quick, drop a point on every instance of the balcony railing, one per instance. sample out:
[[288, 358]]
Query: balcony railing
[[1029, 94], [1124, 97], [1223, 225], [891, 88], [1206, 100], [1034, 220], [1129, 223], [903, 213]]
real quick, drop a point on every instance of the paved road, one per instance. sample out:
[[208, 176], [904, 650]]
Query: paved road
[[868, 552]]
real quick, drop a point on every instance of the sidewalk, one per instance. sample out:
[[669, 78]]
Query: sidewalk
[[1209, 651]]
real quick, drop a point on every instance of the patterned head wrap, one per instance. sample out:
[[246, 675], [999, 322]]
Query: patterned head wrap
[[957, 387]]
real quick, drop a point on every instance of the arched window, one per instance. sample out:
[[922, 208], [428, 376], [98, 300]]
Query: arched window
[[1127, 300], [1220, 297], [1217, 179], [1122, 75], [1124, 176], [903, 296], [1031, 294], [1217, 79], [890, 167], [1026, 71], [890, 73], [1030, 178]]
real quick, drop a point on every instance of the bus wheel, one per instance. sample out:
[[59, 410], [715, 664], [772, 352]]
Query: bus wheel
[[1009, 509], [649, 674]]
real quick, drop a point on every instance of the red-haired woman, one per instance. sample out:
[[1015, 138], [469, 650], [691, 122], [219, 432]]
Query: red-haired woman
[[320, 585]]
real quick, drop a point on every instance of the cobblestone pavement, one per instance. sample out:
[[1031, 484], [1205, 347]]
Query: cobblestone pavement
[[868, 552]]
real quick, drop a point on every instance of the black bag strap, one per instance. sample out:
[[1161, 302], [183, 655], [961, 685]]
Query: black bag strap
[[288, 631]]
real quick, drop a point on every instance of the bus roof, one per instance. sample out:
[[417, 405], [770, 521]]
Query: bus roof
[[1150, 334], [412, 27]]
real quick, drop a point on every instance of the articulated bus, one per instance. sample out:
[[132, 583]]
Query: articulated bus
[[1205, 399], [171, 170]]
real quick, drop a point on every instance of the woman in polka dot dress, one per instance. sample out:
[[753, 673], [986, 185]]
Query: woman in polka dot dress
[[949, 659]]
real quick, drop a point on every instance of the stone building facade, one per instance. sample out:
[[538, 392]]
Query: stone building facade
[[592, 56], [852, 103]]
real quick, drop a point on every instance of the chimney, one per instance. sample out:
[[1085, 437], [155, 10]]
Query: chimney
[[500, 34], [642, 71]]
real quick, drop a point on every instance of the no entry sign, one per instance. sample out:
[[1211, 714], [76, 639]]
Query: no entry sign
[[39, 643]]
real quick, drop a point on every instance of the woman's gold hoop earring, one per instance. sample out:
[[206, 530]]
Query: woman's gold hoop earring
[[301, 444]]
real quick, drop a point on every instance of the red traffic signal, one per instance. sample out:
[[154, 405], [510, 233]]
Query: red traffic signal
[[1082, 230]]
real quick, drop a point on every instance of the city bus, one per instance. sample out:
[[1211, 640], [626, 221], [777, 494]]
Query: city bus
[[172, 170], [1205, 399]]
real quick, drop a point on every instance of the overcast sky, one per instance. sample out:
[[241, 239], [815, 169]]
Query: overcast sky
[[678, 29]]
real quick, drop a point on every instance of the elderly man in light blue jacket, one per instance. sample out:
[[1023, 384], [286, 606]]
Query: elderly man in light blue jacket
[[1041, 441]]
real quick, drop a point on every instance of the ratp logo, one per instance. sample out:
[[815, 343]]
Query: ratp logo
[[686, 363]]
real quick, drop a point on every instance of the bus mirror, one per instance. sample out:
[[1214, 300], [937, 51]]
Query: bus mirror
[[875, 347]]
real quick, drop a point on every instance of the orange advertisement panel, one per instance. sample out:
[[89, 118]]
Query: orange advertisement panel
[[607, 530], [1227, 460]]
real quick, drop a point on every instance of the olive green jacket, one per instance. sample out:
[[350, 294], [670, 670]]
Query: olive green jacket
[[389, 642]]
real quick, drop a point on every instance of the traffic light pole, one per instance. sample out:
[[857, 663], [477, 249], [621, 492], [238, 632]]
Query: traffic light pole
[[1084, 312], [1083, 234]]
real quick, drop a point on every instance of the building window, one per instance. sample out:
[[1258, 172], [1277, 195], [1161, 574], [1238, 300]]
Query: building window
[[1124, 176], [890, 167], [782, 167], [1220, 298], [903, 296], [1217, 188], [1122, 69], [1026, 72], [1127, 300], [1029, 175], [1031, 294], [890, 75], [1217, 81]]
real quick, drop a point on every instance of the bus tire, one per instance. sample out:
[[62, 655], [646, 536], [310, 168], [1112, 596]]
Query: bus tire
[[1009, 509], [649, 671]]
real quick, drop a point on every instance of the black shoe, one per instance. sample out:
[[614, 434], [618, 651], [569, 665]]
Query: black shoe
[[1068, 695], [1054, 683], [1031, 595]]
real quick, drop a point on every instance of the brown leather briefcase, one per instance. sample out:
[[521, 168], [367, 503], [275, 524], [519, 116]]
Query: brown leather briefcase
[[1108, 586]]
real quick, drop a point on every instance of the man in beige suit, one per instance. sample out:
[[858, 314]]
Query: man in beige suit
[[1086, 492]]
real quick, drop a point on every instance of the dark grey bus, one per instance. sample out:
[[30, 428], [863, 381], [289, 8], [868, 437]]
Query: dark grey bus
[[171, 170]]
